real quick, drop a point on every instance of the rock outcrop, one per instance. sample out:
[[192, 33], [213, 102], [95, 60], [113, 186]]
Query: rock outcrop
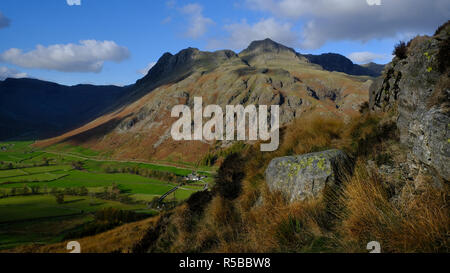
[[417, 90], [307, 176]]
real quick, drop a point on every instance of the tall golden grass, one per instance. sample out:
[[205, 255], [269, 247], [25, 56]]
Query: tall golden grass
[[418, 224]]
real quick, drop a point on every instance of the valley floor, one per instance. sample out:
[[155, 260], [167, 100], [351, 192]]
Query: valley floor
[[31, 180]]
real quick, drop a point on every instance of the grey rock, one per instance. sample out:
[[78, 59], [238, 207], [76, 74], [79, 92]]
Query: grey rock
[[307, 176], [419, 93]]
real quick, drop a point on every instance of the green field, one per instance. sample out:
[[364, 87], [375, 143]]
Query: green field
[[29, 178], [20, 208], [40, 219]]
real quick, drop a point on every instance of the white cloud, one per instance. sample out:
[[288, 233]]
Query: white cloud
[[145, 70], [166, 20], [242, 34], [4, 21], [373, 2], [365, 57], [6, 72], [357, 20], [171, 3], [197, 23], [88, 56], [74, 2]]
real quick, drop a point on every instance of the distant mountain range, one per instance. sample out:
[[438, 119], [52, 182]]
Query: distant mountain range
[[339, 63], [31, 109], [265, 73]]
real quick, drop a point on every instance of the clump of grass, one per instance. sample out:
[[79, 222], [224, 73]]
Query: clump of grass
[[420, 224], [442, 27], [366, 132], [443, 56], [401, 50], [311, 133], [229, 177], [383, 159]]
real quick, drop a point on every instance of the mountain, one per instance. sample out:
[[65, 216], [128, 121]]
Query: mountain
[[339, 63], [376, 68], [265, 73], [31, 109], [268, 52]]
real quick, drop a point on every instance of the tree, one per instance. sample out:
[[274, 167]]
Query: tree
[[59, 198], [25, 190], [46, 161], [401, 50], [229, 178], [77, 165], [83, 191], [35, 189]]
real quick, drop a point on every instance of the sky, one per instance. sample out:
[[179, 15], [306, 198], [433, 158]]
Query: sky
[[116, 41]]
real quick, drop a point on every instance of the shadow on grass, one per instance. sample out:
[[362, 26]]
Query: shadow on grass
[[73, 201]]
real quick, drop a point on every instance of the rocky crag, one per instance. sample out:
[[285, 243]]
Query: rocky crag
[[416, 89]]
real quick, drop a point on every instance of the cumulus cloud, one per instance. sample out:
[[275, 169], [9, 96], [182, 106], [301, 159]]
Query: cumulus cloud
[[6, 72], [171, 3], [4, 21], [145, 70], [74, 2], [365, 57], [373, 2], [87, 56], [358, 20], [197, 23], [242, 34]]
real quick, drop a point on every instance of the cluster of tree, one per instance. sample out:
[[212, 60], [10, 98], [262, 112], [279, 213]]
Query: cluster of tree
[[16, 191], [6, 165], [59, 198], [114, 193], [11, 165], [166, 204], [213, 157], [36, 190], [77, 165], [155, 174], [106, 219]]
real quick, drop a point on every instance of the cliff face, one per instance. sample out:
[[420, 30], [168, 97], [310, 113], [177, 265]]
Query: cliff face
[[417, 90]]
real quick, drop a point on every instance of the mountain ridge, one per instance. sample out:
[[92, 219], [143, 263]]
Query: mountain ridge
[[52, 108], [266, 73]]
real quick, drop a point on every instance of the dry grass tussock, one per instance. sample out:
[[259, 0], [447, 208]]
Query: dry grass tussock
[[419, 224]]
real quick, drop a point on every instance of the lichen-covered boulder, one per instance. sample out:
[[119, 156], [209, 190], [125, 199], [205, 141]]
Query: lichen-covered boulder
[[307, 176]]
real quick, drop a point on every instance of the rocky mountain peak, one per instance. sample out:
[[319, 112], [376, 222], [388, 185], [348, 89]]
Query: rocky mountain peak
[[268, 52], [267, 45], [172, 68]]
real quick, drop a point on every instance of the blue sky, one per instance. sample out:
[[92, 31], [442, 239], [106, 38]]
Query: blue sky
[[113, 41]]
